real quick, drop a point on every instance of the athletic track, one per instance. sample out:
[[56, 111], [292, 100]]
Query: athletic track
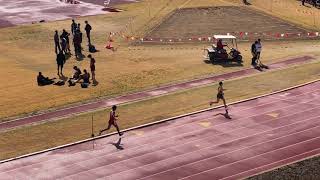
[[263, 133], [70, 111]]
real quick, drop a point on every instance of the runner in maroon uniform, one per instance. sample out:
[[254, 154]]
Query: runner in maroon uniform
[[112, 121], [220, 95]]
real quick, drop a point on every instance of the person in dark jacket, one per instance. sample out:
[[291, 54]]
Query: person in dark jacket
[[73, 27], [56, 42], [42, 81], [63, 44], [77, 39], [88, 28], [66, 35], [61, 59], [86, 79], [253, 52]]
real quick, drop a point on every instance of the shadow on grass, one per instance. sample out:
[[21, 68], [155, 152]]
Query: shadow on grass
[[80, 57]]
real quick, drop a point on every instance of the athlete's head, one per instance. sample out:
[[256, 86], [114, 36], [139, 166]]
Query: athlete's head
[[114, 107], [220, 83]]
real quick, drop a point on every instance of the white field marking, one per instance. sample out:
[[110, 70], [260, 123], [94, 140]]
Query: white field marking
[[275, 150], [246, 147], [172, 137]]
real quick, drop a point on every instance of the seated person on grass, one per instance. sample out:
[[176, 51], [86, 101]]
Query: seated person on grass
[[42, 81], [86, 79], [75, 77]]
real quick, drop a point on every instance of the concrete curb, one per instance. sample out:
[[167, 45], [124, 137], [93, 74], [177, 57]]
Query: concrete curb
[[156, 122]]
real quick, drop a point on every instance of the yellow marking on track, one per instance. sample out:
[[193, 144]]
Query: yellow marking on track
[[138, 133], [197, 145], [120, 156], [274, 115], [205, 124]]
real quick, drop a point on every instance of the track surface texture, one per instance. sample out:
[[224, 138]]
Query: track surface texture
[[13, 12], [144, 94], [262, 134], [207, 21]]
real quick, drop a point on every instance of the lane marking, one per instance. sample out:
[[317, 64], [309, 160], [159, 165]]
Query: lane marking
[[252, 157], [274, 115], [205, 124], [279, 166], [187, 154], [138, 133]]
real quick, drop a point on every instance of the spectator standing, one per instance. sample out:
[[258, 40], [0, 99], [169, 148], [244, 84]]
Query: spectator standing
[[61, 59], [253, 52], [66, 35], [56, 42], [88, 28], [77, 39], [258, 49], [63, 44], [78, 27], [92, 67], [303, 1], [73, 27]]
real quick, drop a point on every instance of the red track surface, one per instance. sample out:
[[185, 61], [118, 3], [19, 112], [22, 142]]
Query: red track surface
[[263, 133], [145, 94]]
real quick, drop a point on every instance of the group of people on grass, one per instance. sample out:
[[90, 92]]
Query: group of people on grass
[[62, 49], [77, 77], [256, 49], [85, 76], [62, 42]]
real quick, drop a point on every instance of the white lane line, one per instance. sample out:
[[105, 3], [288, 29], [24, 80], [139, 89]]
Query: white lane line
[[256, 156], [302, 154]]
